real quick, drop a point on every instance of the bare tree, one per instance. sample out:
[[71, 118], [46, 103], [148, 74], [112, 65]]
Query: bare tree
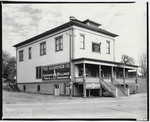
[[143, 63], [127, 59]]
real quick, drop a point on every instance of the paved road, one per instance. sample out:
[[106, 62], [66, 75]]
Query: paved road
[[126, 107]]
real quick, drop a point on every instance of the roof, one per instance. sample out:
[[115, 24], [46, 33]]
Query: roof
[[104, 61], [91, 22], [68, 24]]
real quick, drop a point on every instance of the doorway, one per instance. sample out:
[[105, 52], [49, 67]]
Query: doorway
[[56, 90]]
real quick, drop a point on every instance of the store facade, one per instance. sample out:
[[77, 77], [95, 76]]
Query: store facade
[[76, 59]]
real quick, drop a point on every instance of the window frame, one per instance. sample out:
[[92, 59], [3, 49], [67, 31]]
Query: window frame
[[82, 41], [59, 43], [38, 88], [21, 56], [30, 53], [99, 47], [43, 48], [38, 72], [107, 47]]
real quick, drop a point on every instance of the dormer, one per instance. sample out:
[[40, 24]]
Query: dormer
[[91, 23]]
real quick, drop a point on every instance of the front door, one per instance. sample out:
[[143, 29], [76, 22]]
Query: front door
[[56, 90]]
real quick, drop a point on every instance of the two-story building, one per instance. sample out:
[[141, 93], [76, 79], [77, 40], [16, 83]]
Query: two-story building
[[76, 58]]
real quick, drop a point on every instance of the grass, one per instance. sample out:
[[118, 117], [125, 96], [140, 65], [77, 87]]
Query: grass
[[10, 97], [142, 85]]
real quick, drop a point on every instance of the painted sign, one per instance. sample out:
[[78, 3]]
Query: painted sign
[[92, 86], [56, 72]]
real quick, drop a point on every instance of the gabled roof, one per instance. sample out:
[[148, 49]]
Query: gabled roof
[[68, 24]]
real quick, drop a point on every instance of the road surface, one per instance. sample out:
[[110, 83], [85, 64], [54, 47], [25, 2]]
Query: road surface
[[133, 107]]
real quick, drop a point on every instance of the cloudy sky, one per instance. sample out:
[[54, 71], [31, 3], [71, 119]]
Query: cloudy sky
[[23, 21]]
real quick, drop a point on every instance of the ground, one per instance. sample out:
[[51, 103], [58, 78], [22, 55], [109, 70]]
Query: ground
[[27, 105]]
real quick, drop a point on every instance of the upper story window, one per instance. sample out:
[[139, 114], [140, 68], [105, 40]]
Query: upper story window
[[43, 48], [96, 47], [29, 49], [108, 47], [82, 41], [59, 43], [38, 72], [21, 55]]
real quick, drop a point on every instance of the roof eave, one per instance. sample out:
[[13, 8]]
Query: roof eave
[[104, 61], [74, 22], [44, 34], [95, 29]]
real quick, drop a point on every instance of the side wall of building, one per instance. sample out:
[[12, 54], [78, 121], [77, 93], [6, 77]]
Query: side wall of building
[[90, 37], [26, 69]]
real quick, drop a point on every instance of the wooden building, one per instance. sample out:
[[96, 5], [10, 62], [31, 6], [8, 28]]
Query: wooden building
[[76, 59]]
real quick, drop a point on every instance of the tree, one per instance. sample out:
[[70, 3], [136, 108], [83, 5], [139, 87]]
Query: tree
[[127, 59], [8, 67], [143, 63]]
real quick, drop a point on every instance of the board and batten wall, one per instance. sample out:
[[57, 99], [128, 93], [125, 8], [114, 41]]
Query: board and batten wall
[[26, 69]]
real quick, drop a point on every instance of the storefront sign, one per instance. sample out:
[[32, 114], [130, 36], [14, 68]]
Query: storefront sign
[[121, 66], [56, 72], [93, 86]]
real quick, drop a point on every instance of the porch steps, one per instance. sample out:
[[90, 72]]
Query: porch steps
[[120, 92], [111, 88], [108, 88]]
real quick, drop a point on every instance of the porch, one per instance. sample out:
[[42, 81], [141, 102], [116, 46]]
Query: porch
[[95, 77]]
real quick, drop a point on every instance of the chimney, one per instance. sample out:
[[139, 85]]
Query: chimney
[[72, 18]]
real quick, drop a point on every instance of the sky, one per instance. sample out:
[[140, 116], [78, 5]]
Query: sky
[[128, 20]]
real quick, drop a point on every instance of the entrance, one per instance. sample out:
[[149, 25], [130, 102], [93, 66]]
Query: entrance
[[56, 90], [92, 92]]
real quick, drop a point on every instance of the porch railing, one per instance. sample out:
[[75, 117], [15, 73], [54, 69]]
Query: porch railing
[[88, 79], [127, 80], [120, 87], [110, 89], [92, 79], [78, 79]]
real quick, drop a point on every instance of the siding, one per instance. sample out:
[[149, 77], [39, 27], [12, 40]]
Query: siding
[[89, 38], [26, 71]]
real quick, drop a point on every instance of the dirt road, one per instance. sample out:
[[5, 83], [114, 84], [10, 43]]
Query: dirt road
[[35, 106]]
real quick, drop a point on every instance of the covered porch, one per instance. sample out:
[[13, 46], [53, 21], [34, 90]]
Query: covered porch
[[89, 74]]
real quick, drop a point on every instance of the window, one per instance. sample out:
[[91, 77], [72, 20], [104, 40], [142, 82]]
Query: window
[[108, 47], [96, 47], [59, 43], [38, 72], [43, 48], [24, 88], [29, 52], [38, 88], [21, 55], [82, 41]]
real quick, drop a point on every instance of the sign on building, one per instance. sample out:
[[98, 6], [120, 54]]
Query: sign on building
[[93, 86], [56, 72]]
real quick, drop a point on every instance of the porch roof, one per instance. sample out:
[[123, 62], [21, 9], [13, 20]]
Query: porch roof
[[104, 62]]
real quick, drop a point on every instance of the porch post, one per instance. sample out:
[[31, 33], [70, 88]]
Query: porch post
[[84, 79], [100, 91], [112, 74], [136, 77], [124, 76], [136, 82]]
